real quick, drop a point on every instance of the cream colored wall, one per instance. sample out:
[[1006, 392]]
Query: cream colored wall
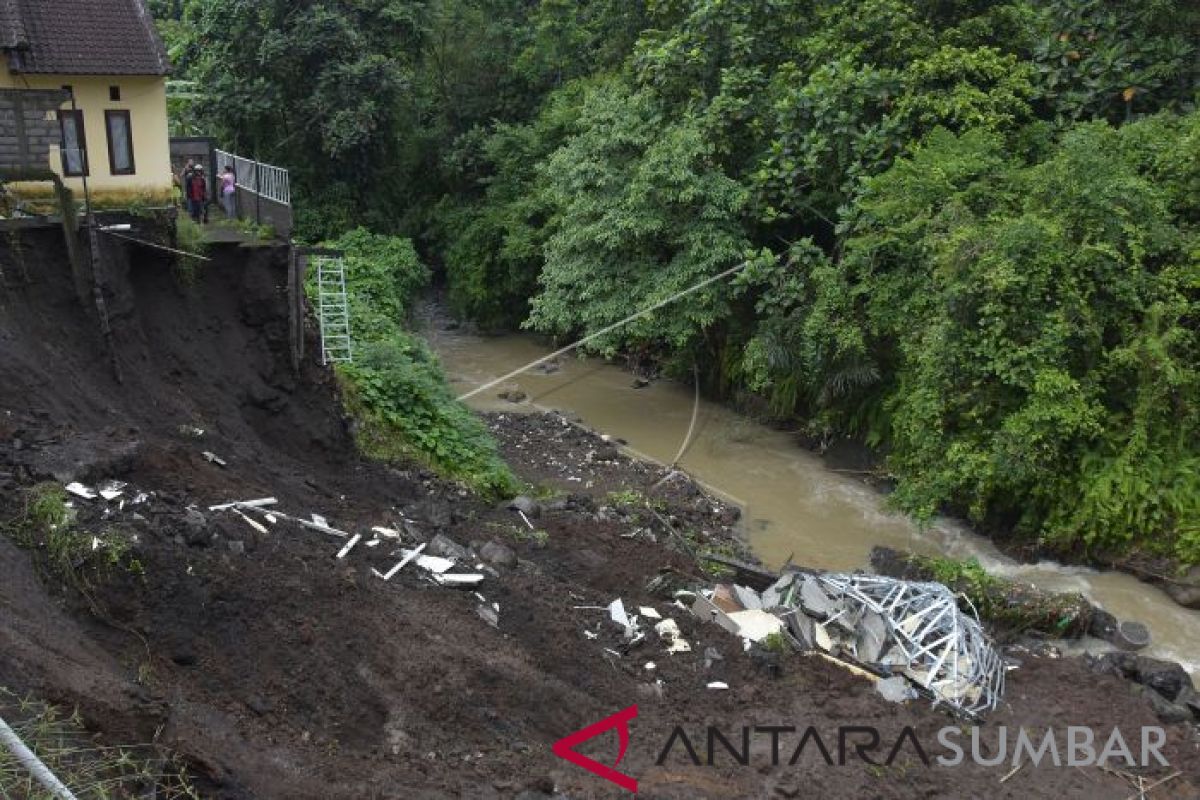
[[145, 98]]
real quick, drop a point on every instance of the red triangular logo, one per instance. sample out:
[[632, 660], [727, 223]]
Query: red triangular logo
[[565, 748]]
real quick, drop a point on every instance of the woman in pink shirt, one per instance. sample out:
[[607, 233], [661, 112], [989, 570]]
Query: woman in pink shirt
[[229, 192]]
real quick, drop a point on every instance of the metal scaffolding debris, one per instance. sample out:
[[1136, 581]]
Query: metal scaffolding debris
[[912, 629]]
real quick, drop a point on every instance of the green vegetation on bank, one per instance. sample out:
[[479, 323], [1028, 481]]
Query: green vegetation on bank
[[45, 524], [395, 389], [972, 226]]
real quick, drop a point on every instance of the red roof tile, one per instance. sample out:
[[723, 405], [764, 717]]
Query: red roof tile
[[81, 37]]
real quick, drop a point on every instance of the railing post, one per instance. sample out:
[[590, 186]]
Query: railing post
[[257, 193]]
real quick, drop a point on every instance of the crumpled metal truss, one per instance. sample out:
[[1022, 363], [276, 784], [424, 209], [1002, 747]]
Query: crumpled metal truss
[[943, 650]]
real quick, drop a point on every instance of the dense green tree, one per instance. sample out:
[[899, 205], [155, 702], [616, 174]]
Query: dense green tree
[[971, 226]]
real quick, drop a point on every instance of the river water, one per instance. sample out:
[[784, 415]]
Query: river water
[[793, 504]]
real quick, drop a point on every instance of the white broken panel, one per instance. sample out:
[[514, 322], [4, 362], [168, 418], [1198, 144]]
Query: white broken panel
[[754, 624], [112, 490], [258, 526], [79, 490], [388, 532], [459, 579], [345, 551], [435, 564], [213, 458], [259, 503], [409, 556]]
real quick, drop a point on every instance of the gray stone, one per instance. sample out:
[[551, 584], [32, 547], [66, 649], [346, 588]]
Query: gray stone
[[498, 554], [194, 519], [237, 547], [1168, 712], [528, 505], [446, 547], [1165, 677], [1186, 590]]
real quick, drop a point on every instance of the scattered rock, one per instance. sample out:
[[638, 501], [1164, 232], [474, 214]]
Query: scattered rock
[[446, 547], [640, 383], [237, 547], [513, 396], [1166, 678], [498, 554], [194, 519], [608, 453], [527, 505], [1185, 590], [1167, 712]]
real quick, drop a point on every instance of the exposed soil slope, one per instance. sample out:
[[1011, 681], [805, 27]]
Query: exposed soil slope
[[279, 671]]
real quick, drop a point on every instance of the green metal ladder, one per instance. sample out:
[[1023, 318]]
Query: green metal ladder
[[333, 311]]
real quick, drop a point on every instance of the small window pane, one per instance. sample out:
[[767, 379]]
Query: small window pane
[[120, 143], [72, 142]]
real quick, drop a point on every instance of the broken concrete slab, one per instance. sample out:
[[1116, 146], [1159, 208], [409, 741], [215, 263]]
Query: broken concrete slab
[[755, 624], [814, 600], [749, 598], [706, 610], [871, 637]]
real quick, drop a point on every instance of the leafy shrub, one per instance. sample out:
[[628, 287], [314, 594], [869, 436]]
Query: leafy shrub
[[395, 388]]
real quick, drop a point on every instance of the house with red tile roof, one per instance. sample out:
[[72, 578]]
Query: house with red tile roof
[[108, 56]]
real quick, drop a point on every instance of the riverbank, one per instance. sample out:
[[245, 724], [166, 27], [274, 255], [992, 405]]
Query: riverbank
[[816, 510]]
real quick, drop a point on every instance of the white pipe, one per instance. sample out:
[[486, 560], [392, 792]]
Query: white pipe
[[31, 762], [606, 329]]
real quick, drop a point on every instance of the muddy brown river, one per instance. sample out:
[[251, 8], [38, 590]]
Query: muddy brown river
[[793, 505]]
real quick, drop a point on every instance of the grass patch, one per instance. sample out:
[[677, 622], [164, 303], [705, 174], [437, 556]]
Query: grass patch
[[632, 498], [90, 770], [522, 533], [190, 238], [1011, 606], [46, 525]]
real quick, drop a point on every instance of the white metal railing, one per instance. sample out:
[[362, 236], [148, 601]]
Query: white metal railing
[[254, 176]]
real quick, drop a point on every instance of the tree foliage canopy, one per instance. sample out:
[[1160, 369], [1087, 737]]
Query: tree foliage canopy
[[971, 226]]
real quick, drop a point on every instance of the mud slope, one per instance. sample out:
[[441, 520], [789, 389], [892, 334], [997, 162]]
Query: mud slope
[[279, 671]]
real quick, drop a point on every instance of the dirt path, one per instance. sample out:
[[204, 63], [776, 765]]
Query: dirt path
[[280, 671]]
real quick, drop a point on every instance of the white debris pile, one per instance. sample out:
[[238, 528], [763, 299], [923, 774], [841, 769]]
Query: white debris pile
[[894, 627], [112, 493], [435, 568]]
